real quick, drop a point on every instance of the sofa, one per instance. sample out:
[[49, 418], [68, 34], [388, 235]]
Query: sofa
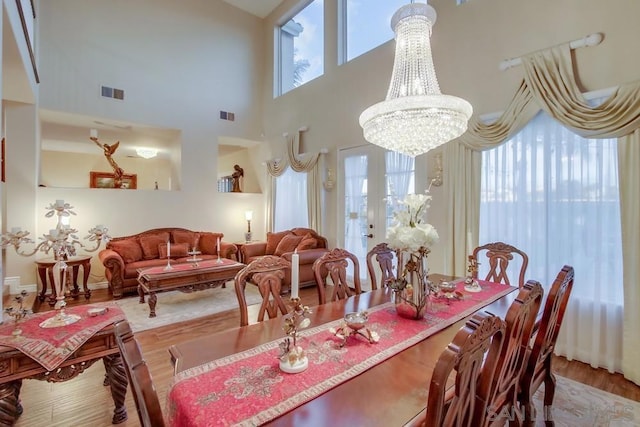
[[123, 256], [309, 245]]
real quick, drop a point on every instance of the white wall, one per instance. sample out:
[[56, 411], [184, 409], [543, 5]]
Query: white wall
[[179, 63], [469, 41]]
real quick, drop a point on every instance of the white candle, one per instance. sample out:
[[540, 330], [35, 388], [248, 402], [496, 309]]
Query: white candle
[[469, 244], [218, 246], [294, 274], [93, 133], [168, 249], [15, 230], [53, 233], [59, 203]]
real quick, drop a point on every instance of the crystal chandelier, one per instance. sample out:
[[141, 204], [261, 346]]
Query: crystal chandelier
[[415, 117]]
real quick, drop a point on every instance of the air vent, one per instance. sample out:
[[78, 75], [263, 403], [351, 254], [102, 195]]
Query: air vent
[[225, 115], [109, 92]]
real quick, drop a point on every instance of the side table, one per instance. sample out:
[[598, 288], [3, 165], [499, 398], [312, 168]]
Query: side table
[[45, 271]]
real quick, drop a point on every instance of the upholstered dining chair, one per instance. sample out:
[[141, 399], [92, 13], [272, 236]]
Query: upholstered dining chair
[[500, 396], [331, 272], [473, 355], [267, 273], [538, 368], [144, 392], [384, 256], [499, 255]]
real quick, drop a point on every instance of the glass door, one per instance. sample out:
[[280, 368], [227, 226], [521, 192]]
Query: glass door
[[372, 180]]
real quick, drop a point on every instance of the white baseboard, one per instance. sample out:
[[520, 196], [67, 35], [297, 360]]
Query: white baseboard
[[12, 286], [15, 287]]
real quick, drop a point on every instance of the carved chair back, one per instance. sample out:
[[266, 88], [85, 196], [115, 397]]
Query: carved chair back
[[473, 355], [331, 272], [498, 255], [538, 368], [144, 392], [385, 257], [501, 394], [267, 273]]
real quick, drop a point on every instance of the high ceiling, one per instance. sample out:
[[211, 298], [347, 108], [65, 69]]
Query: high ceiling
[[259, 8]]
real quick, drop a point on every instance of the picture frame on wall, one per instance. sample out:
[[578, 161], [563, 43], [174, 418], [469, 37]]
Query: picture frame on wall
[[107, 179]]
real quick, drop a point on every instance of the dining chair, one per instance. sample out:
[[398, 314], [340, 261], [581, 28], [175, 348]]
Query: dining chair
[[331, 272], [385, 257], [473, 355], [499, 255], [538, 367], [499, 397], [144, 392], [267, 273]]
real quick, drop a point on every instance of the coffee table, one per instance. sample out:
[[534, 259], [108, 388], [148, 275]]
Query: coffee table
[[185, 277]]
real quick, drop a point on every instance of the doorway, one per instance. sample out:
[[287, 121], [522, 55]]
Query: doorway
[[373, 179]]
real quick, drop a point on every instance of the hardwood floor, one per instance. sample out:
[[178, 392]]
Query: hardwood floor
[[83, 401]]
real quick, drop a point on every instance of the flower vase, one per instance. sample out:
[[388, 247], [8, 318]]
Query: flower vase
[[412, 299]]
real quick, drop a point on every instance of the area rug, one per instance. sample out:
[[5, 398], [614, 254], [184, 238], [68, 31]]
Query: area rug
[[577, 404], [176, 306]]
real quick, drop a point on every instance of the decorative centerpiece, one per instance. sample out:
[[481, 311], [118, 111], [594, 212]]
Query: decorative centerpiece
[[62, 242], [471, 284], [412, 238], [292, 356], [18, 313], [353, 325]]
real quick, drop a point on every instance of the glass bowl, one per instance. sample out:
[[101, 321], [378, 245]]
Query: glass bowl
[[356, 321]]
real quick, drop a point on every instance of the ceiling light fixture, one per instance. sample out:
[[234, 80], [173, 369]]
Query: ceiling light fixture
[[415, 117], [146, 153]]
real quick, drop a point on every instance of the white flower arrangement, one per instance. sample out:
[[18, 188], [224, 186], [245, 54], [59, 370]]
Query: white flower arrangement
[[409, 232]]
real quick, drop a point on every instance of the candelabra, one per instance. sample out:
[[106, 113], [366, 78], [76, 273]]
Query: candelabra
[[18, 313], [61, 242], [470, 282]]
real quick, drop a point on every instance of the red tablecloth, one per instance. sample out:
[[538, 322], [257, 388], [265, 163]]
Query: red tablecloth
[[52, 346], [248, 388], [224, 262]]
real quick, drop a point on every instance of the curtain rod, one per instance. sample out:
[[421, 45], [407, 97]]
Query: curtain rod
[[590, 40]]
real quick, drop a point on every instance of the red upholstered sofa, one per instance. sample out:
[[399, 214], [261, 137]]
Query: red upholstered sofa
[[123, 256], [309, 245]]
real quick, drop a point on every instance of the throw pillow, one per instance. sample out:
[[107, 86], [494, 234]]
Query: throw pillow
[[307, 242], [128, 249], [209, 243], [189, 237], [178, 250], [273, 239], [287, 244], [150, 244]]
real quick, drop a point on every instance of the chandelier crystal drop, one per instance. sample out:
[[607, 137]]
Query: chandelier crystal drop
[[415, 117]]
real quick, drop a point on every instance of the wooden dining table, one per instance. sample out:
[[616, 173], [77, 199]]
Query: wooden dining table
[[390, 393]]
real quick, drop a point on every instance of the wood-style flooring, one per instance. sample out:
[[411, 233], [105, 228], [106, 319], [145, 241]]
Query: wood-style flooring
[[83, 401]]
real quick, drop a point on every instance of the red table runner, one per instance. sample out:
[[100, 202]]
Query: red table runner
[[224, 262], [249, 389], [52, 346]]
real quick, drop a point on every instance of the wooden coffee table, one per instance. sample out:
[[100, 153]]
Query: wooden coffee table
[[187, 277]]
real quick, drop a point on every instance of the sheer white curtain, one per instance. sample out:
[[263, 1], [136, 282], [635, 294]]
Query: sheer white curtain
[[555, 195], [355, 215], [400, 177], [290, 208]]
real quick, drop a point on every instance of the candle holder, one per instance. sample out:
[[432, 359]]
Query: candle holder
[[470, 282], [292, 356], [18, 313], [355, 324], [62, 242]]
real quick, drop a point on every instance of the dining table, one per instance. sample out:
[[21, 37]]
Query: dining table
[[232, 377]]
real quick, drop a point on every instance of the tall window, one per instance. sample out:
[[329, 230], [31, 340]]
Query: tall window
[[291, 201], [366, 25], [300, 48], [555, 195]]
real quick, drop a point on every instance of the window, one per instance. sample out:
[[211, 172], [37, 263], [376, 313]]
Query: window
[[365, 25], [400, 181], [300, 49], [555, 195], [291, 201]]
